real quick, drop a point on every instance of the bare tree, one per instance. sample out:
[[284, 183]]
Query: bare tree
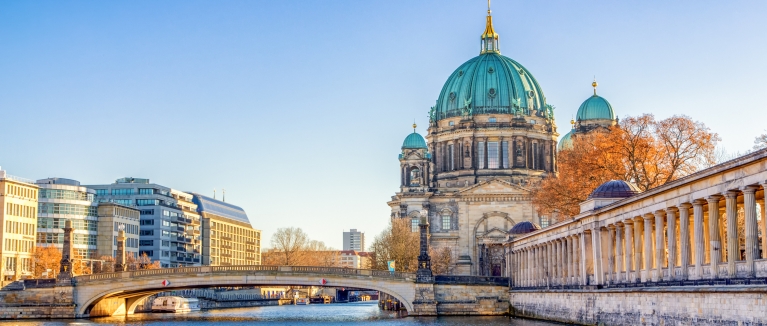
[[398, 243], [760, 142], [441, 259], [47, 258], [290, 244]]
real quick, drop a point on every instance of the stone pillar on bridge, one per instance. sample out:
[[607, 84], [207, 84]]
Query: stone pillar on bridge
[[67, 256], [120, 263], [425, 303]]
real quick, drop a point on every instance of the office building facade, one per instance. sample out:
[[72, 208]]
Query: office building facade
[[18, 220], [169, 222], [228, 238]]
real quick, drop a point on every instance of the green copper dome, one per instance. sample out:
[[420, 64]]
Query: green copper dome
[[595, 108], [489, 84], [414, 141], [566, 142]]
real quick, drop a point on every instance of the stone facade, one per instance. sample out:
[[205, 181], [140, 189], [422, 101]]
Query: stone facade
[[616, 307]]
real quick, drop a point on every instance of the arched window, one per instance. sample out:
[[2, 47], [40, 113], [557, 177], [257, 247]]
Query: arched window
[[414, 224]]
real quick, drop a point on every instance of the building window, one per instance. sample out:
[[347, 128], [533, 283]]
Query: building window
[[414, 224], [491, 120], [146, 191], [492, 155], [101, 192], [446, 220], [146, 243], [147, 212], [481, 154], [124, 202], [505, 150], [147, 232], [451, 123], [122, 192], [147, 202], [147, 222]]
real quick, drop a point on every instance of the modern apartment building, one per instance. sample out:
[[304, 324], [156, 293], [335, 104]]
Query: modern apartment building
[[169, 222], [354, 259], [18, 226], [354, 240], [228, 238], [63, 199], [111, 217]]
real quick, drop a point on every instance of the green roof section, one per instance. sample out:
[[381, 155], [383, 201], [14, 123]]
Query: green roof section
[[566, 142], [414, 141], [595, 108]]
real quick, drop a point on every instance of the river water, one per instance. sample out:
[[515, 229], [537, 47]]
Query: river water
[[317, 314]]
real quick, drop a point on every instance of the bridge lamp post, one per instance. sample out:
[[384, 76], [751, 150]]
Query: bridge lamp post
[[424, 275]]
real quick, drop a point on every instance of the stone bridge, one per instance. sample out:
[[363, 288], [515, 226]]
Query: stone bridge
[[119, 293]]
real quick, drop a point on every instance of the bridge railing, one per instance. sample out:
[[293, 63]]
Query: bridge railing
[[246, 268]]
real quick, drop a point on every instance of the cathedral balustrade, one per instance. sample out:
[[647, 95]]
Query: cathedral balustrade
[[708, 228]]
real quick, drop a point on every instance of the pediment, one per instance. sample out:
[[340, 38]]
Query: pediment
[[495, 233], [494, 186]]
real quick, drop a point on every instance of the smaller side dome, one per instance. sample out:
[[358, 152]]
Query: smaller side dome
[[615, 189], [414, 141], [524, 228], [595, 108], [566, 142]]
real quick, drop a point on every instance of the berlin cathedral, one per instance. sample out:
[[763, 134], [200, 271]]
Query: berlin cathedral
[[491, 137]]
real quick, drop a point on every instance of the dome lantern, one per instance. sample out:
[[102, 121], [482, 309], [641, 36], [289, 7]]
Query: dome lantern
[[489, 37]]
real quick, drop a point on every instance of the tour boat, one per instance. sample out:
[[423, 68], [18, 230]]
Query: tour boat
[[302, 301], [175, 304]]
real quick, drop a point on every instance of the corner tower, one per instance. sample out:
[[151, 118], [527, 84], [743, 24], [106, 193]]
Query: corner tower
[[491, 121]]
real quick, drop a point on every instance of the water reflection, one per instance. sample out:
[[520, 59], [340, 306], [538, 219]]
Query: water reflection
[[328, 314]]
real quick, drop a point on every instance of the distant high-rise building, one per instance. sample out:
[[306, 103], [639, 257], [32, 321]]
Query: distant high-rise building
[[18, 226], [354, 240]]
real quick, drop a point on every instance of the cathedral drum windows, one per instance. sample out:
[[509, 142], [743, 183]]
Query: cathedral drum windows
[[414, 177]]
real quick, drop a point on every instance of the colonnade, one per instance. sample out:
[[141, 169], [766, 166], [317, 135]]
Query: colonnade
[[694, 240]]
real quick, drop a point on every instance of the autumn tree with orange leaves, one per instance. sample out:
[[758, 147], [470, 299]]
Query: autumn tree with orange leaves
[[640, 150]]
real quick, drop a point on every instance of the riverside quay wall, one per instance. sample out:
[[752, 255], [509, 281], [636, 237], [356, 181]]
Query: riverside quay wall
[[690, 252], [715, 305]]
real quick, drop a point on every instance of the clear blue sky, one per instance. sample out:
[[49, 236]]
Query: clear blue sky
[[298, 108]]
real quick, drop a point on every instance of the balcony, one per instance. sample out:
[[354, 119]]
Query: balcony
[[226, 255], [181, 249], [252, 243], [227, 238], [226, 246]]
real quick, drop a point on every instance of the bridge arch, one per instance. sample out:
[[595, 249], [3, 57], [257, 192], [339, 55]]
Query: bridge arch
[[119, 293]]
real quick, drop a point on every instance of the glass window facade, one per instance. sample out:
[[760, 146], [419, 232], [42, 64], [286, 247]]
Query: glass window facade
[[65, 194], [71, 209], [101, 192], [146, 191], [492, 155], [505, 150], [147, 202], [58, 223], [122, 192]]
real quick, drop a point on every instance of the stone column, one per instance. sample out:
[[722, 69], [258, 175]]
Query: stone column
[[638, 248], [120, 262], [563, 261], [582, 259], [557, 261], [576, 259], [660, 244], [618, 253], [628, 226], [713, 235], [610, 254], [764, 222], [596, 246], [671, 236], [647, 251], [700, 245], [570, 255], [733, 245], [752, 249], [541, 275], [684, 240]]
